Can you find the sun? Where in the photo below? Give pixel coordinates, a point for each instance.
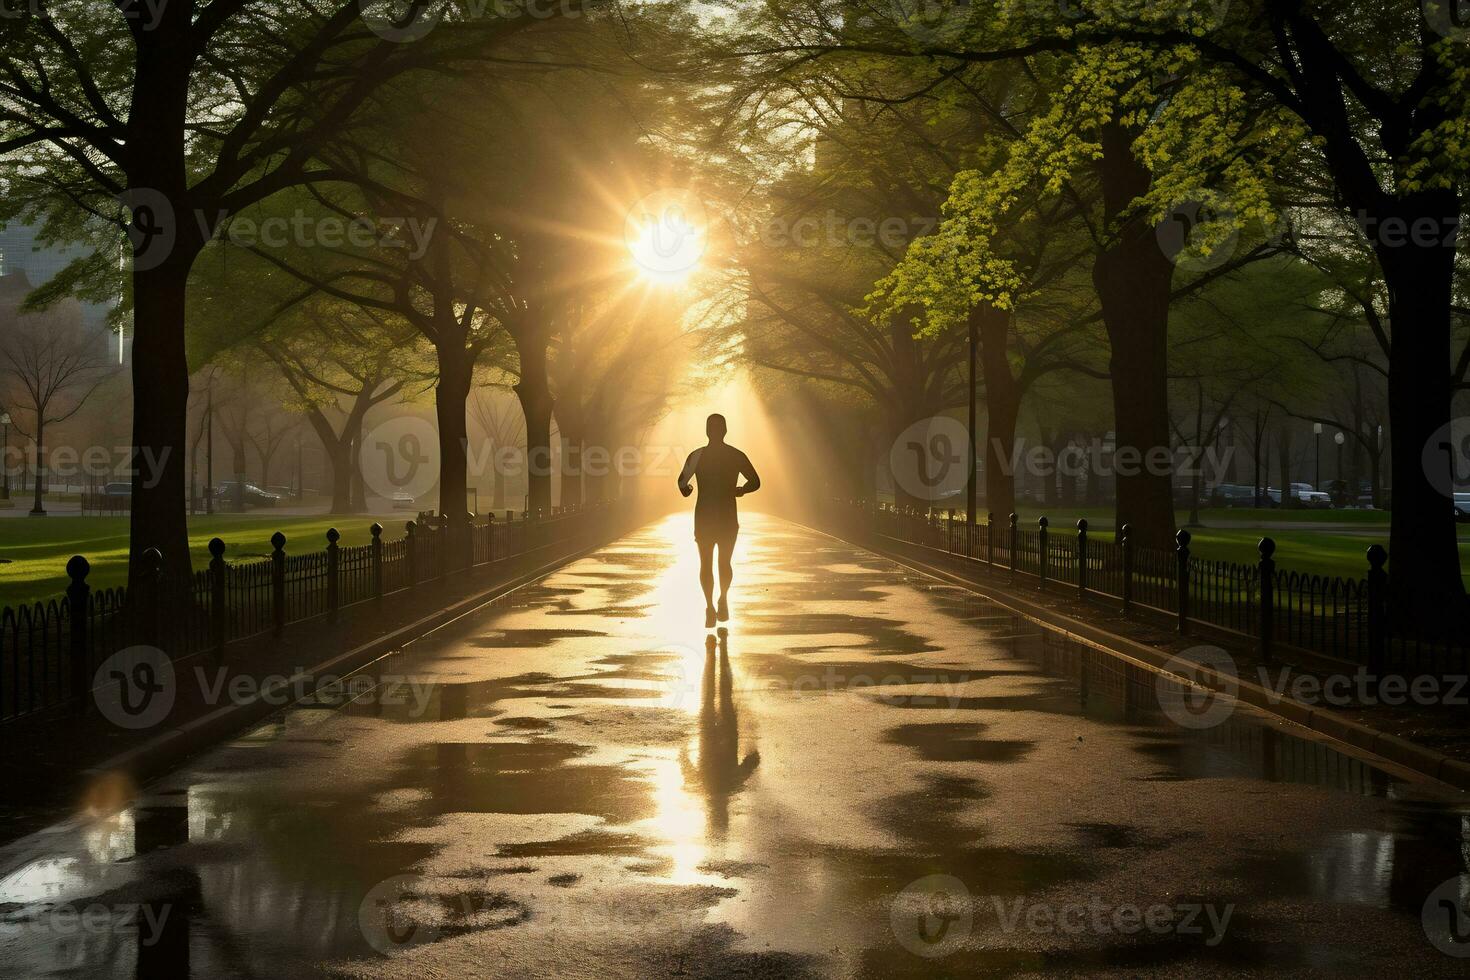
(666, 235)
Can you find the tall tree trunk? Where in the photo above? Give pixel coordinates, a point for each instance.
(1427, 587)
(534, 392)
(456, 375)
(571, 423)
(347, 492)
(972, 384)
(1002, 408)
(358, 486)
(166, 241)
(1283, 455)
(1134, 279)
(1052, 440)
(497, 497)
(39, 509)
(1196, 462)
(1094, 497)
(339, 456)
(160, 417)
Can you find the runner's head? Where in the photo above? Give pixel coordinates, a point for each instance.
(716, 428)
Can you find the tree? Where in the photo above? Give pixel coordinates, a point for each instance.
(828, 173)
(498, 415)
(342, 362)
(51, 365)
(166, 119)
(1380, 90)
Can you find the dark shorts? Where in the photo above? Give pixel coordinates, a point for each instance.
(716, 525)
(724, 537)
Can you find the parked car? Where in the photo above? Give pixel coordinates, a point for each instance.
(1303, 494)
(1236, 495)
(250, 494)
(1311, 498)
(118, 490)
(1462, 507)
(404, 501)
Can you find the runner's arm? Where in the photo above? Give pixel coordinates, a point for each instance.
(689, 467)
(752, 478)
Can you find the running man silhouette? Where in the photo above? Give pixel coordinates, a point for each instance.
(718, 467)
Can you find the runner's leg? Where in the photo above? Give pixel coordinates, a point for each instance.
(707, 572)
(727, 574)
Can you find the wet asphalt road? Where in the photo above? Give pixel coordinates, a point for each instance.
(870, 775)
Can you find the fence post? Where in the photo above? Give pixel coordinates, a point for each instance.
(410, 548)
(949, 531)
(1182, 580)
(79, 600)
(1041, 536)
(1377, 609)
(334, 575)
(990, 541)
(1126, 543)
(218, 613)
(490, 539)
(278, 583)
(1266, 569)
(377, 532)
(1082, 558)
(1015, 539)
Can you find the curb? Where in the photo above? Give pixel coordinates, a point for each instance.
(171, 748)
(1358, 738)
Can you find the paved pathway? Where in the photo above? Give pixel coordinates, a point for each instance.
(871, 775)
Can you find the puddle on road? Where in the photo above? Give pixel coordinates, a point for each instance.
(774, 806)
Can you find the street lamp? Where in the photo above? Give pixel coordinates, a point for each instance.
(1340, 439)
(1317, 439)
(5, 457)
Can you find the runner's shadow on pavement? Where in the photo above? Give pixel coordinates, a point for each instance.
(718, 770)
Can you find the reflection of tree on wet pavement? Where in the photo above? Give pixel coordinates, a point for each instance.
(719, 770)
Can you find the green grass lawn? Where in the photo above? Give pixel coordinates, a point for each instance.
(1312, 552)
(38, 548)
(1309, 552)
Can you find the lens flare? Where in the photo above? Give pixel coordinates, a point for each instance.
(667, 234)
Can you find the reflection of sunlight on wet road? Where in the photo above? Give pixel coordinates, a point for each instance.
(679, 824)
(591, 790)
(676, 609)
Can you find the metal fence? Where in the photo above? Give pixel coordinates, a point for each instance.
(48, 655)
(1344, 618)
